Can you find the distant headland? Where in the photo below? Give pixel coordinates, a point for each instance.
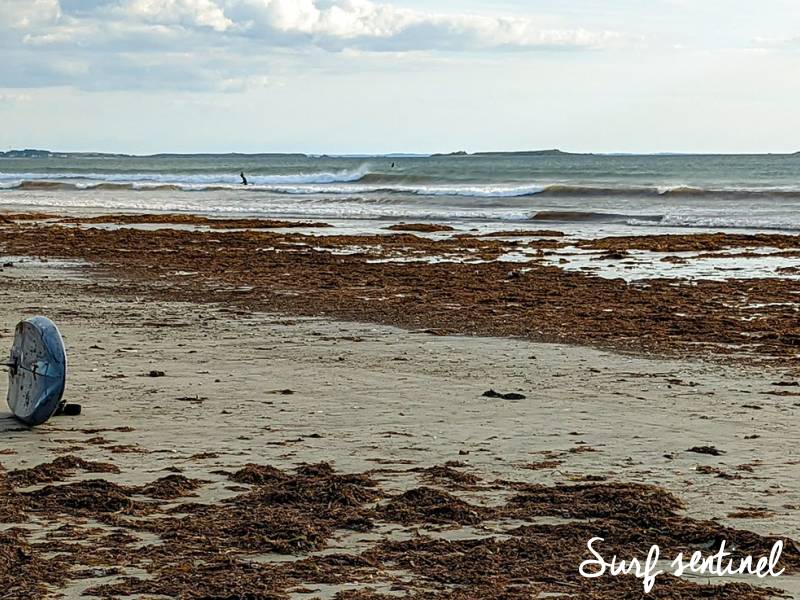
(27, 153)
(33, 153)
(553, 152)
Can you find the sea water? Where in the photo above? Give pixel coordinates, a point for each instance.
(582, 194)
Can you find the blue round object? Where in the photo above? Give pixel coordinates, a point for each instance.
(38, 371)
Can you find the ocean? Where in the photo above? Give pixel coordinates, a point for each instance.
(589, 194)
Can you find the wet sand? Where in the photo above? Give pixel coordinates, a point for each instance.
(241, 386)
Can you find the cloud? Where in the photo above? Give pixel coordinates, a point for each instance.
(776, 43)
(192, 13)
(25, 14)
(13, 98)
(372, 26)
(329, 24)
(189, 44)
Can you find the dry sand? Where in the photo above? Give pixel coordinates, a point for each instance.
(365, 397)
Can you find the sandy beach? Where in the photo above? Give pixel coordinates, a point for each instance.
(399, 300)
(316, 426)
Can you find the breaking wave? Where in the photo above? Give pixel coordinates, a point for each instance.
(364, 181)
(576, 216)
(81, 180)
(776, 222)
(685, 221)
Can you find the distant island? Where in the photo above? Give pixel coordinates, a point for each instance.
(34, 153)
(459, 153)
(27, 153)
(553, 152)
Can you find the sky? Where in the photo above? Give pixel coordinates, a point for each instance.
(364, 76)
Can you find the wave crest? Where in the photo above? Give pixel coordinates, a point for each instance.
(364, 180)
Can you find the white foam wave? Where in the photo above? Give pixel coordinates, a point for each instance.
(342, 183)
(189, 180)
(740, 221)
(275, 207)
(489, 191)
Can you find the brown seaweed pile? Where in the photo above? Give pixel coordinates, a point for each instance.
(24, 573)
(420, 227)
(701, 242)
(526, 233)
(189, 219)
(58, 470)
(449, 474)
(387, 279)
(428, 505)
(209, 550)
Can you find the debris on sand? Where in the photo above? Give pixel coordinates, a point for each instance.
(188, 219)
(204, 456)
(428, 505)
(258, 475)
(448, 475)
(96, 430)
(91, 498)
(71, 410)
(285, 392)
(592, 501)
(619, 255)
(542, 465)
(192, 399)
(169, 487)
(420, 227)
(708, 470)
(534, 563)
(710, 450)
(206, 550)
(127, 449)
(525, 233)
(324, 275)
(751, 513)
(11, 508)
(23, 572)
(509, 396)
(705, 242)
(58, 470)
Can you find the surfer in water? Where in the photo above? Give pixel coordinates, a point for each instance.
(244, 179)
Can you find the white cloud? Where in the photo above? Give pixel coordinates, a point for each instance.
(13, 98)
(25, 14)
(328, 24)
(196, 44)
(286, 15)
(373, 26)
(776, 43)
(199, 13)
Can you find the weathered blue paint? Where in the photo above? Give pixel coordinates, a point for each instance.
(38, 370)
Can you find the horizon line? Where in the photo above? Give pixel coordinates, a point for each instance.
(395, 154)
